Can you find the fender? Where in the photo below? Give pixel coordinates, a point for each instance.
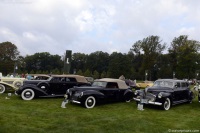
(97, 94)
(128, 94)
(38, 91)
(165, 94)
(8, 85)
(43, 83)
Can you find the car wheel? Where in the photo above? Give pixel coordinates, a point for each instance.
(166, 104)
(90, 102)
(28, 94)
(2, 88)
(17, 84)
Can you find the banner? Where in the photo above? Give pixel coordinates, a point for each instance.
(67, 61)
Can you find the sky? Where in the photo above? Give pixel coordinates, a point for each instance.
(87, 26)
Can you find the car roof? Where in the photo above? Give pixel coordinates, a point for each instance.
(172, 80)
(44, 75)
(79, 78)
(121, 83)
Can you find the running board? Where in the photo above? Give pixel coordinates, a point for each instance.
(181, 101)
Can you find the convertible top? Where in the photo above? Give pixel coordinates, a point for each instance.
(78, 77)
(121, 83)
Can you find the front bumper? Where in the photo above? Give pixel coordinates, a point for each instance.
(148, 102)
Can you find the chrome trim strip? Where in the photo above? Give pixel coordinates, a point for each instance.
(76, 101)
(149, 102)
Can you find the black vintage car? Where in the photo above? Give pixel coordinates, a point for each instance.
(165, 92)
(55, 86)
(102, 91)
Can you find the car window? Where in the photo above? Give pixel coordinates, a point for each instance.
(112, 85)
(178, 84)
(163, 83)
(183, 84)
(99, 83)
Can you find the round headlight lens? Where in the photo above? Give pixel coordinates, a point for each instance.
(136, 92)
(160, 95)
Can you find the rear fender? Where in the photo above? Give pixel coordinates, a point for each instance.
(128, 94)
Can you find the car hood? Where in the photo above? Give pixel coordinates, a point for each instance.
(158, 89)
(33, 81)
(83, 88)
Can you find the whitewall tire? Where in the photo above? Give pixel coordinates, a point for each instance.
(28, 94)
(2, 88)
(166, 104)
(90, 102)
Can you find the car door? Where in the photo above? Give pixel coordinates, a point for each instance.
(177, 92)
(111, 91)
(184, 91)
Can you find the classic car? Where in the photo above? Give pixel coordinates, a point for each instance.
(102, 91)
(144, 84)
(55, 86)
(165, 93)
(7, 83)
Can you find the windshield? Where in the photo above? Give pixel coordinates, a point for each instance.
(163, 83)
(99, 83)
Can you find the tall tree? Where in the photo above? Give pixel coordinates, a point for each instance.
(8, 56)
(151, 47)
(184, 56)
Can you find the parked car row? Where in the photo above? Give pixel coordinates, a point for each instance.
(76, 89)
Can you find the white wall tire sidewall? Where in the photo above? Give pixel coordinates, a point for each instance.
(25, 91)
(3, 89)
(90, 98)
(168, 106)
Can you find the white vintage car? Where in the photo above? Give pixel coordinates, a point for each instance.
(7, 83)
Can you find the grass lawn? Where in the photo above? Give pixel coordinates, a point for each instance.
(44, 115)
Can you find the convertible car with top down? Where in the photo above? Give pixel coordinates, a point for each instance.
(55, 86)
(102, 91)
(165, 93)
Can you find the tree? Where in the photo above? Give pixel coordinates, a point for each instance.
(43, 62)
(8, 57)
(184, 56)
(98, 61)
(119, 64)
(151, 48)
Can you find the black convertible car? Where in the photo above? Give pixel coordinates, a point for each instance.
(102, 90)
(55, 86)
(165, 92)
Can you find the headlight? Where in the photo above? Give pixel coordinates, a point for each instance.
(136, 92)
(160, 95)
(81, 94)
(65, 96)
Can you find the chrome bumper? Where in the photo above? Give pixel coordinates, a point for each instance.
(149, 102)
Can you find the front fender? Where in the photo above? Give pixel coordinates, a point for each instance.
(8, 85)
(165, 94)
(38, 91)
(100, 97)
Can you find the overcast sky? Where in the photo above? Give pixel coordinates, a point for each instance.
(88, 26)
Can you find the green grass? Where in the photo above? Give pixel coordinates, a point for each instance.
(44, 115)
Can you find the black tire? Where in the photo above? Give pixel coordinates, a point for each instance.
(2, 88)
(90, 102)
(166, 104)
(28, 94)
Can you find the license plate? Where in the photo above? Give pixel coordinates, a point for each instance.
(144, 101)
